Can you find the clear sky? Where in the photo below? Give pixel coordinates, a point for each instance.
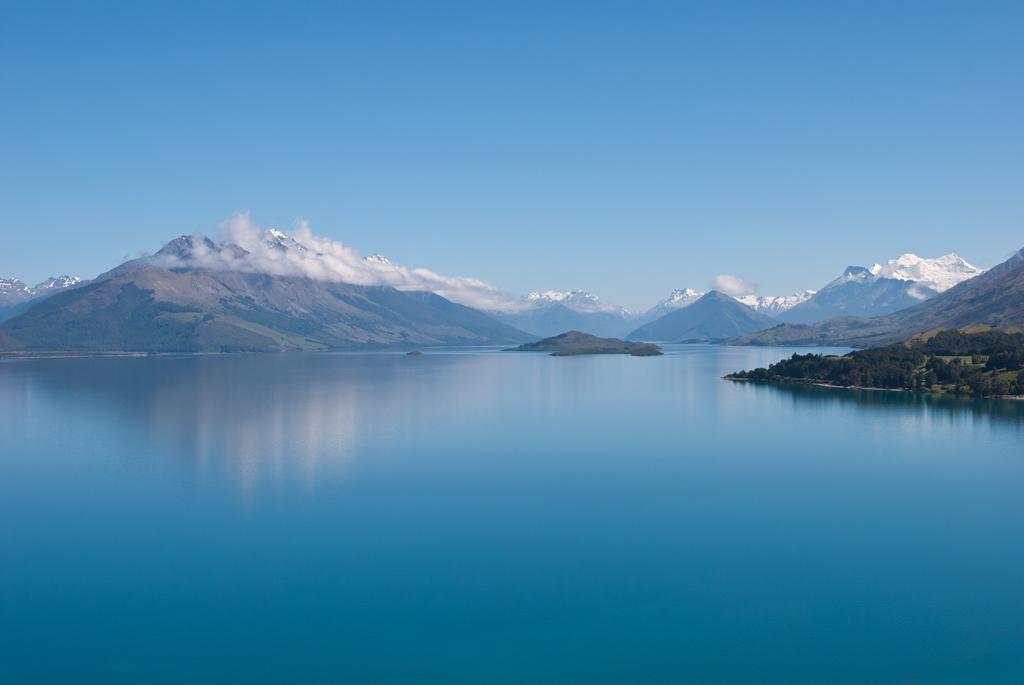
(621, 148)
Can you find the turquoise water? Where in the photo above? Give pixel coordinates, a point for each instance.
(501, 518)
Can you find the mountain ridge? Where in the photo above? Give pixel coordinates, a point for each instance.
(994, 297)
(881, 289)
(153, 309)
(714, 316)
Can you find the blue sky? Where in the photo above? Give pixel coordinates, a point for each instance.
(622, 148)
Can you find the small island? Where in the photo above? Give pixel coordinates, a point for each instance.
(981, 361)
(575, 343)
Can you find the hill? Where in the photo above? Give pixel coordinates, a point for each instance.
(575, 343)
(152, 309)
(981, 363)
(714, 316)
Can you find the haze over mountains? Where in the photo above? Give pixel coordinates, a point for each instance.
(256, 290)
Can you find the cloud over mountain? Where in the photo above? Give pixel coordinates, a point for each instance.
(244, 246)
(732, 285)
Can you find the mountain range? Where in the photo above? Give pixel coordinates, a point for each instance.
(880, 290)
(16, 297)
(994, 297)
(714, 316)
(861, 291)
(773, 306)
(140, 307)
(551, 313)
(268, 290)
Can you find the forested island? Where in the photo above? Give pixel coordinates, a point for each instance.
(575, 343)
(979, 361)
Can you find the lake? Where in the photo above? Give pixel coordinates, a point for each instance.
(474, 516)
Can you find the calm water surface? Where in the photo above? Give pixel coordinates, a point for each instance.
(501, 518)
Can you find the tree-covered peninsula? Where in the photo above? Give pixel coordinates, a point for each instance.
(979, 361)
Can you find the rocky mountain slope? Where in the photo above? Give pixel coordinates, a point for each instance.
(139, 307)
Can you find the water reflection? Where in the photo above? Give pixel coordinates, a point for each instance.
(911, 404)
(263, 415)
(665, 522)
(312, 418)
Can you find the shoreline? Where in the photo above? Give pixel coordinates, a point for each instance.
(862, 387)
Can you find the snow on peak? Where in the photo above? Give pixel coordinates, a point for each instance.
(552, 296)
(282, 241)
(58, 283)
(940, 273)
(13, 291)
(679, 298)
(577, 300)
(12, 285)
(245, 246)
(772, 305)
(379, 259)
(682, 297)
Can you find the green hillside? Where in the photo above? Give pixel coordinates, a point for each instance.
(981, 363)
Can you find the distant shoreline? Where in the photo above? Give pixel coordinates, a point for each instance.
(801, 381)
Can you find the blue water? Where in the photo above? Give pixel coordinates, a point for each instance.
(493, 517)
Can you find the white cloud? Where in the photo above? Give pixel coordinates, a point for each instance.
(300, 252)
(733, 285)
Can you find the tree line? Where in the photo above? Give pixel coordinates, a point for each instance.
(983, 364)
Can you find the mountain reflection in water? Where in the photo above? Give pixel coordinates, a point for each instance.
(495, 517)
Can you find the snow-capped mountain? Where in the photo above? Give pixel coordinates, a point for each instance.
(52, 285)
(550, 313)
(769, 305)
(715, 315)
(682, 298)
(13, 291)
(679, 298)
(940, 274)
(379, 259)
(245, 247)
(772, 305)
(282, 241)
(883, 288)
(578, 301)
